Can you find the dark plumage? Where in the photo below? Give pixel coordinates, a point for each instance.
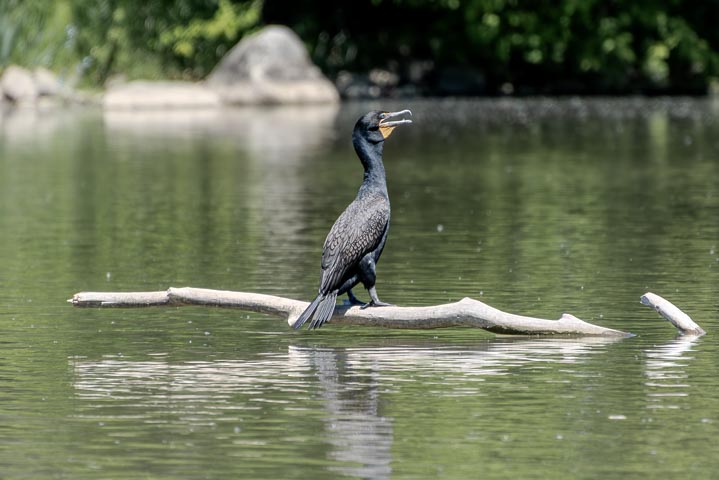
(357, 238)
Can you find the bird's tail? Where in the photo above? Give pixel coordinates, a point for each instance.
(325, 310)
(322, 307)
(308, 312)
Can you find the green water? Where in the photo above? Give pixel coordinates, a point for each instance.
(533, 206)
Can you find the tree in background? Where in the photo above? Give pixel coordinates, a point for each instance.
(33, 34)
(140, 39)
(441, 46)
(159, 38)
(581, 46)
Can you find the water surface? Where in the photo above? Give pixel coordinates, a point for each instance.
(534, 206)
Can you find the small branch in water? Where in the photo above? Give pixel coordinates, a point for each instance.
(671, 312)
(466, 312)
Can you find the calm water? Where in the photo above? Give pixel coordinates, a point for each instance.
(536, 207)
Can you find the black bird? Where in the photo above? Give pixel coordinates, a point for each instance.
(356, 240)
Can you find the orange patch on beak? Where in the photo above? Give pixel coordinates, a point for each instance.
(385, 131)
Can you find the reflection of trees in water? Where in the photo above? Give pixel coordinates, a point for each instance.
(667, 378)
(267, 148)
(504, 190)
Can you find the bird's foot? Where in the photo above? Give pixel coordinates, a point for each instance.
(376, 304)
(352, 300)
(375, 301)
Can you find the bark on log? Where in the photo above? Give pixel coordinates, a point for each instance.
(671, 312)
(466, 312)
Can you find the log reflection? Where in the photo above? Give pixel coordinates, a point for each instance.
(666, 373)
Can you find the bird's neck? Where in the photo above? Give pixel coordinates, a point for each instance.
(371, 156)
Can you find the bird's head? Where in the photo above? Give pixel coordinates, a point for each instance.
(376, 126)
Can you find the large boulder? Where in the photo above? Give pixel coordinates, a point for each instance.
(159, 95)
(46, 82)
(271, 66)
(18, 85)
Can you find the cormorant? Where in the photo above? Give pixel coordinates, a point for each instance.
(356, 240)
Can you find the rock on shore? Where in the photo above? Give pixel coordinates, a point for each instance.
(152, 95)
(18, 85)
(271, 66)
(37, 88)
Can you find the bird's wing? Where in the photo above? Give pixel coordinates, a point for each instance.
(358, 231)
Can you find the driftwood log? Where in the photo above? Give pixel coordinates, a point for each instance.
(671, 312)
(466, 312)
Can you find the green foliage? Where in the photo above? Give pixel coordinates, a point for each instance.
(32, 34)
(160, 38)
(540, 46)
(545, 46)
(224, 25)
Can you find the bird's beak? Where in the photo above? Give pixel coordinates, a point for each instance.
(386, 125)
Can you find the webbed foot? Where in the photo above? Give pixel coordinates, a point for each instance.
(375, 302)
